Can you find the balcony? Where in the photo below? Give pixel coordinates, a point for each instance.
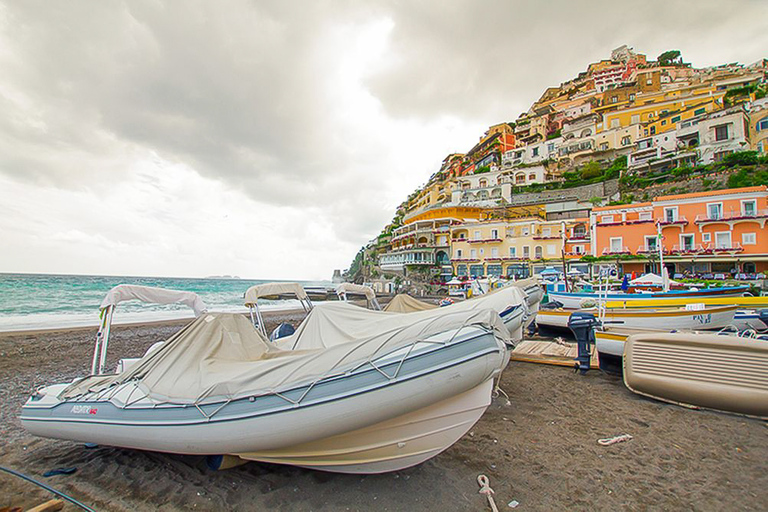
(638, 221)
(611, 251)
(465, 260)
(732, 218)
(578, 239)
(484, 240)
(539, 236)
(679, 221)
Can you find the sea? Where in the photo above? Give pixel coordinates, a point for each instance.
(46, 301)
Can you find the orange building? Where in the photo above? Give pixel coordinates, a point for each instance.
(712, 232)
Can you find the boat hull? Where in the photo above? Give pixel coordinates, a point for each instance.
(391, 445)
(726, 373)
(711, 318)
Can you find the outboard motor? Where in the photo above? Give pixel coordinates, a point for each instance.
(281, 331)
(763, 316)
(582, 325)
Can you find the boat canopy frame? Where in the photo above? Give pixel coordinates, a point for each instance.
(345, 289)
(278, 290)
(126, 292)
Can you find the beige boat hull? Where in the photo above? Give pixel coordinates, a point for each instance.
(395, 444)
(726, 373)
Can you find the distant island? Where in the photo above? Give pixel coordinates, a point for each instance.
(223, 277)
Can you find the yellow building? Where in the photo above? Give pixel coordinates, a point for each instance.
(650, 110)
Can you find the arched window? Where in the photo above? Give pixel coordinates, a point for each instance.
(483, 183)
(586, 133)
(520, 178)
(531, 176)
(537, 252)
(763, 124)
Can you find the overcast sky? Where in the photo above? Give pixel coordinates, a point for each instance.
(273, 139)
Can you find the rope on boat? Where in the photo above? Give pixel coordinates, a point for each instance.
(485, 488)
(47, 488)
(613, 440)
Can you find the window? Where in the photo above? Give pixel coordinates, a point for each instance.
(632, 98)
(458, 253)
(749, 208)
(615, 123)
(614, 99)
(686, 242)
(670, 214)
(546, 231)
(635, 119)
(626, 140)
(606, 219)
(550, 147)
(603, 146)
(494, 253)
(525, 231)
(526, 252)
(749, 238)
(650, 243)
(578, 249)
(473, 253)
(763, 124)
(531, 177)
(538, 253)
(551, 250)
(617, 244)
(663, 122)
(513, 252)
(483, 183)
(535, 151)
(723, 240)
(653, 130)
(719, 155)
(721, 132)
(646, 215)
(699, 111)
(715, 211)
(477, 235)
(675, 119)
(494, 233)
(649, 81)
(706, 237)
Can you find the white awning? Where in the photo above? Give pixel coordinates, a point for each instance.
(124, 292)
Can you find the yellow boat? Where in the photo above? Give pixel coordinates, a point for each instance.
(743, 302)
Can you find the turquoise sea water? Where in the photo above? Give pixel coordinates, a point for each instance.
(41, 301)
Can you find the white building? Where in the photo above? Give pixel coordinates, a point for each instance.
(715, 135)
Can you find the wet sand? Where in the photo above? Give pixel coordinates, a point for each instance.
(541, 450)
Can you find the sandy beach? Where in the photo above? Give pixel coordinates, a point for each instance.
(540, 450)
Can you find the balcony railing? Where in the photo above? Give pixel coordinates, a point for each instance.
(679, 221)
(610, 251)
(731, 216)
(483, 240)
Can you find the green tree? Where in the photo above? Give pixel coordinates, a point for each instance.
(670, 57)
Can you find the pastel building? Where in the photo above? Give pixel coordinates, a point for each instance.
(706, 232)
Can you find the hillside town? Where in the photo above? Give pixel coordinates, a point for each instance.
(632, 161)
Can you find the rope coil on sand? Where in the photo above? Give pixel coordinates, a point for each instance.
(485, 488)
(613, 440)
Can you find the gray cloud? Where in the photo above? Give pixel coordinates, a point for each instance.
(336, 108)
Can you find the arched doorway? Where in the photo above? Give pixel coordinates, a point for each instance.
(442, 258)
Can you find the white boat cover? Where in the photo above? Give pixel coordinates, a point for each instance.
(333, 323)
(124, 292)
(221, 356)
(404, 303)
(356, 288)
(650, 280)
(271, 289)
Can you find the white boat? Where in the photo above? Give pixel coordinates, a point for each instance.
(715, 317)
(575, 300)
(380, 395)
(345, 291)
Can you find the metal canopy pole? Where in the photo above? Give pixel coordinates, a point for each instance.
(105, 341)
(97, 347)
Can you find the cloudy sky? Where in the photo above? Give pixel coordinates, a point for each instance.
(273, 139)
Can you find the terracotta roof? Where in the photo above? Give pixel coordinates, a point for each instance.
(759, 188)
